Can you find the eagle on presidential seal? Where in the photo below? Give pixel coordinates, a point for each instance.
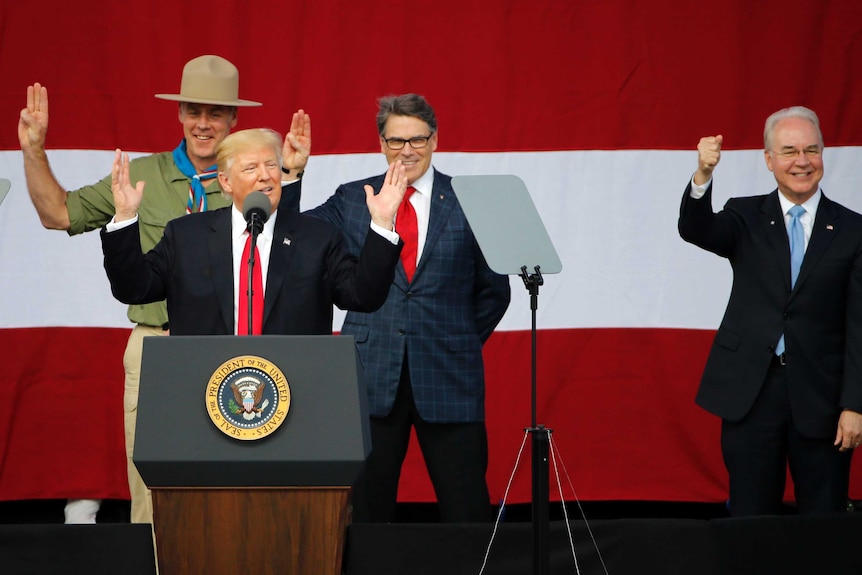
(248, 392)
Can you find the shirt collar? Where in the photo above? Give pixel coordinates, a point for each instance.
(810, 206)
(425, 184)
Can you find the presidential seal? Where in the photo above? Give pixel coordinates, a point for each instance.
(248, 397)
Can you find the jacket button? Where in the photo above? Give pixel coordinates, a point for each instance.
(400, 332)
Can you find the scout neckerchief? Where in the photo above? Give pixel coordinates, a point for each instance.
(197, 194)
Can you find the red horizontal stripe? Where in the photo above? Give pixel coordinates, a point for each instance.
(619, 402)
(503, 75)
(61, 418)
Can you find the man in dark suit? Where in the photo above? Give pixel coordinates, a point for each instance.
(305, 266)
(785, 369)
(422, 351)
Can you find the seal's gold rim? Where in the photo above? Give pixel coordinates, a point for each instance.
(223, 372)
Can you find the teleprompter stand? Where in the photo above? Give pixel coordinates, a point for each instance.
(514, 241)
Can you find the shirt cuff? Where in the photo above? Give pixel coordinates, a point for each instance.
(697, 191)
(390, 235)
(113, 226)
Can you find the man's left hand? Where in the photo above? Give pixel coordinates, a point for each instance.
(297, 144)
(849, 435)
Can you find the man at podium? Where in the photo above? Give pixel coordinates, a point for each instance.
(302, 261)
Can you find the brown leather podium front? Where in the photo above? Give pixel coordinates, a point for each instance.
(277, 504)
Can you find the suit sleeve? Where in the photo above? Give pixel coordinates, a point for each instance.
(491, 296)
(699, 225)
(291, 194)
(362, 284)
(134, 277)
(851, 388)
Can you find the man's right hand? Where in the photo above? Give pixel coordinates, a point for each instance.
(33, 121)
(127, 198)
(708, 155)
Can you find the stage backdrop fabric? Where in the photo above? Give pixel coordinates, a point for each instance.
(598, 107)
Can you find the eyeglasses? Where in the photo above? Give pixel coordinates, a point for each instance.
(416, 143)
(788, 153)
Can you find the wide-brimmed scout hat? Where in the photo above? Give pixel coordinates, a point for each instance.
(209, 80)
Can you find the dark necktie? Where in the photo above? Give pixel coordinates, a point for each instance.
(405, 225)
(257, 289)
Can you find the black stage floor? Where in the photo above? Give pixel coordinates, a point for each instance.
(619, 538)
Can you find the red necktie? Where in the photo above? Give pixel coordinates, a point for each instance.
(405, 225)
(257, 289)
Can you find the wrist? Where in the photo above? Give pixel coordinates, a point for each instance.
(123, 216)
(297, 174)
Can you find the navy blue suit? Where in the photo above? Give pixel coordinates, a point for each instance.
(430, 331)
(192, 267)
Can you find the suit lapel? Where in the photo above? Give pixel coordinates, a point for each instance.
(776, 231)
(826, 227)
(279, 260)
(442, 203)
(220, 253)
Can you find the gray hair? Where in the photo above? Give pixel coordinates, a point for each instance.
(792, 112)
(412, 105)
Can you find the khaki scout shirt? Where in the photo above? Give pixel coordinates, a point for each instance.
(166, 195)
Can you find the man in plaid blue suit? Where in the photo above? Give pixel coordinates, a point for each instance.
(422, 351)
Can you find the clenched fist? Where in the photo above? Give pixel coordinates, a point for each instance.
(708, 155)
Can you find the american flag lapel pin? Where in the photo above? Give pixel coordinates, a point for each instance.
(829, 227)
(286, 241)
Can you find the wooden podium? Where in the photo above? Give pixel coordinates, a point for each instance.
(277, 505)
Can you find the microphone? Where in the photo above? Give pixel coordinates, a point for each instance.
(256, 209)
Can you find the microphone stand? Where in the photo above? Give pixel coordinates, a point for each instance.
(255, 226)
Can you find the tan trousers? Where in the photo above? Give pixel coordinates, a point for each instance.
(142, 501)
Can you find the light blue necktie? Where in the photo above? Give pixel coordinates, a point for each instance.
(797, 252)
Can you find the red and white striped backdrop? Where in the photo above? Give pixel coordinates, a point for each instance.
(596, 106)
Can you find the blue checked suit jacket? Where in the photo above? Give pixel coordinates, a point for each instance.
(440, 320)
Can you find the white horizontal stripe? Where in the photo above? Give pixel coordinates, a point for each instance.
(611, 215)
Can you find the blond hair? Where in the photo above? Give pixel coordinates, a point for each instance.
(241, 141)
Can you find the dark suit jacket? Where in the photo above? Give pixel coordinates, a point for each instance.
(442, 318)
(821, 317)
(191, 267)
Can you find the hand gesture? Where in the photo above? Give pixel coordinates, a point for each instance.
(297, 143)
(127, 199)
(33, 120)
(383, 206)
(708, 155)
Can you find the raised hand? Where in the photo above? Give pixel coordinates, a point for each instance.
(33, 120)
(297, 143)
(127, 198)
(384, 206)
(708, 155)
